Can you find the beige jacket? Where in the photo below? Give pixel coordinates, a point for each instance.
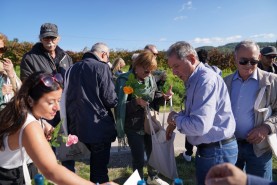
(268, 80)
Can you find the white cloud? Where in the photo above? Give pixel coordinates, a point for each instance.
(179, 18)
(263, 36)
(216, 40)
(162, 39)
(187, 5)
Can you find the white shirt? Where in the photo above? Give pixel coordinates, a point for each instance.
(10, 159)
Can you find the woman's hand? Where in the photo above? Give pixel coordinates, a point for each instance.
(48, 130)
(168, 94)
(7, 89)
(142, 102)
(8, 67)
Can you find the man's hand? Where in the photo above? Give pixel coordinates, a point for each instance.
(258, 134)
(227, 174)
(169, 130)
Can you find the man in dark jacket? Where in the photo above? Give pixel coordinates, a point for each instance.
(268, 59)
(47, 56)
(89, 99)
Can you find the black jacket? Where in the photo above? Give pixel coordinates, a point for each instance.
(272, 69)
(89, 99)
(38, 59)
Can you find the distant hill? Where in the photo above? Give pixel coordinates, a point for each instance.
(231, 46)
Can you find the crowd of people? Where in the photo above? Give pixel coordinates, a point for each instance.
(222, 117)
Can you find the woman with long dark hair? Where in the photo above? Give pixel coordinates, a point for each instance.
(20, 120)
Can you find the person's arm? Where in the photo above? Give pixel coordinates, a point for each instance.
(255, 180)
(202, 110)
(107, 88)
(42, 155)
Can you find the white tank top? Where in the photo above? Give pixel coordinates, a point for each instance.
(10, 159)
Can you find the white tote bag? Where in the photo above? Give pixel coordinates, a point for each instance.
(162, 157)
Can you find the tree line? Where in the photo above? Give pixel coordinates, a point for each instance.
(221, 57)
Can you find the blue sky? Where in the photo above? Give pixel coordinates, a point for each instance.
(130, 24)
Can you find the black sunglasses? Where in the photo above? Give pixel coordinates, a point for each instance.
(3, 49)
(49, 38)
(245, 61)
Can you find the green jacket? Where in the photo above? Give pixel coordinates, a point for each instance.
(120, 110)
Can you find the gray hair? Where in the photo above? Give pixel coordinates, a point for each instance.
(181, 49)
(100, 47)
(134, 56)
(246, 44)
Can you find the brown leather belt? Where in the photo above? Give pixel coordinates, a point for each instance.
(215, 144)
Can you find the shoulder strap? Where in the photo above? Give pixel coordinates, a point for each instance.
(63, 102)
(26, 173)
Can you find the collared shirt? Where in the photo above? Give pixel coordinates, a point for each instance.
(243, 105)
(208, 115)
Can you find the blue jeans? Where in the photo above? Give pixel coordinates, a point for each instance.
(99, 160)
(259, 166)
(138, 143)
(210, 156)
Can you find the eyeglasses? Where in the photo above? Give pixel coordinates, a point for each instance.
(3, 49)
(270, 57)
(49, 38)
(246, 61)
(48, 80)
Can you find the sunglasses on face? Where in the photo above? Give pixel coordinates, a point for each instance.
(245, 61)
(270, 57)
(3, 49)
(49, 38)
(48, 80)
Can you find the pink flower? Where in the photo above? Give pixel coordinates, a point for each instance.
(71, 139)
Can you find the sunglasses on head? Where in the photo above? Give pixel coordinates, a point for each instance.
(48, 80)
(3, 49)
(270, 56)
(246, 61)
